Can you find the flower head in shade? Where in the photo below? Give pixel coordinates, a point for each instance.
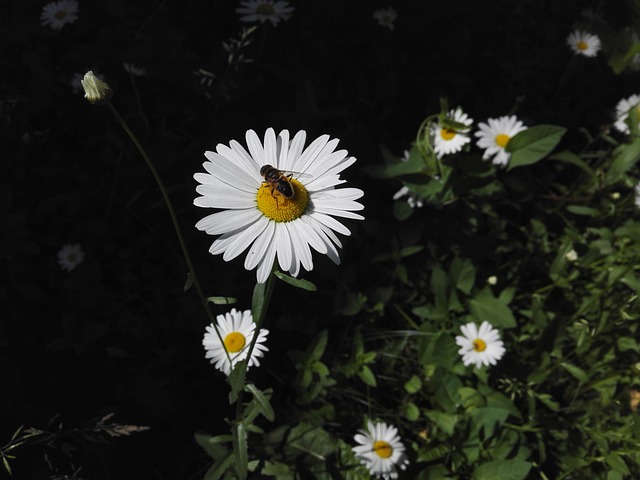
(583, 43)
(270, 211)
(494, 135)
(480, 346)
(263, 10)
(236, 330)
(58, 14)
(95, 90)
(380, 450)
(386, 17)
(448, 140)
(70, 256)
(623, 108)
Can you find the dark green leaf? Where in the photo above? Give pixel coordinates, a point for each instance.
(503, 470)
(222, 300)
(219, 468)
(484, 306)
(567, 156)
(296, 282)
(625, 156)
(213, 445)
(411, 411)
(236, 380)
(533, 144)
(263, 402)
(240, 453)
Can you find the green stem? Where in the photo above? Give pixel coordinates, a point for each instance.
(174, 218)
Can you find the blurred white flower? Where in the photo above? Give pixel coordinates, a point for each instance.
(480, 347)
(380, 450)
(622, 112)
(494, 136)
(583, 43)
(386, 17)
(70, 256)
(571, 255)
(236, 330)
(263, 10)
(448, 140)
(492, 280)
(58, 14)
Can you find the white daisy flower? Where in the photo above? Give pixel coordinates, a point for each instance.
(622, 112)
(482, 347)
(236, 330)
(380, 450)
(494, 136)
(134, 70)
(263, 10)
(386, 17)
(583, 43)
(70, 256)
(281, 217)
(448, 140)
(58, 14)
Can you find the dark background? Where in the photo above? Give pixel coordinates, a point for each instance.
(118, 335)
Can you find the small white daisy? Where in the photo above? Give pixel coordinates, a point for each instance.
(70, 256)
(134, 70)
(448, 140)
(386, 17)
(58, 14)
(494, 135)
(482, 347)
(380, 450)
(263, 10)
(237, 330)
(622, 112)
(583, 43)
(282, 217)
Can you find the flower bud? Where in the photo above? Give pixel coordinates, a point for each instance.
(95, 90)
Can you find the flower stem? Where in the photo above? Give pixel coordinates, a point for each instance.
(172, 213)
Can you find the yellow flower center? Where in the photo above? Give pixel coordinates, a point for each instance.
(447, 133)
(502, 139)
(382, 449)
(279, 208)
(479, 345)
(60, 14)
(582, 45)
(265, 9)
(234, 342)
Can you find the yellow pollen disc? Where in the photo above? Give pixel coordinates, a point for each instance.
(234, 342)
(582, 45)
(502, 139)
(279, 208)
(479, 345)
(60, 14)
(382, 449)
(447, 133)
(265, 9)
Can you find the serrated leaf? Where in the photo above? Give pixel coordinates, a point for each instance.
(297, 282)
(263, 402)
(236, 380)
(533, 144)
(240, 453)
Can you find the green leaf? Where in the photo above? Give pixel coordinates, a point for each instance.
(582, 210)
(462, 274)
(188, 282)
(219, 468)
(533, 144)
(625, 156)
(257, 299)
(240, 453)
(222, 300)
(444, 421)
(263, 402)
(411, 411)
(502, 469)
(567, 156)
(236, 380)
(316, 349)
(402, 210)
(367, 376)
(484, 306)
(616, 462)
(413, 385)
(297, 282)
(213, 445)
(576, 372)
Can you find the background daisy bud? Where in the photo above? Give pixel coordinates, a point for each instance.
(95, 90)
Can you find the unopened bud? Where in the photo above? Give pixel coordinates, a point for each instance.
(95, 90)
